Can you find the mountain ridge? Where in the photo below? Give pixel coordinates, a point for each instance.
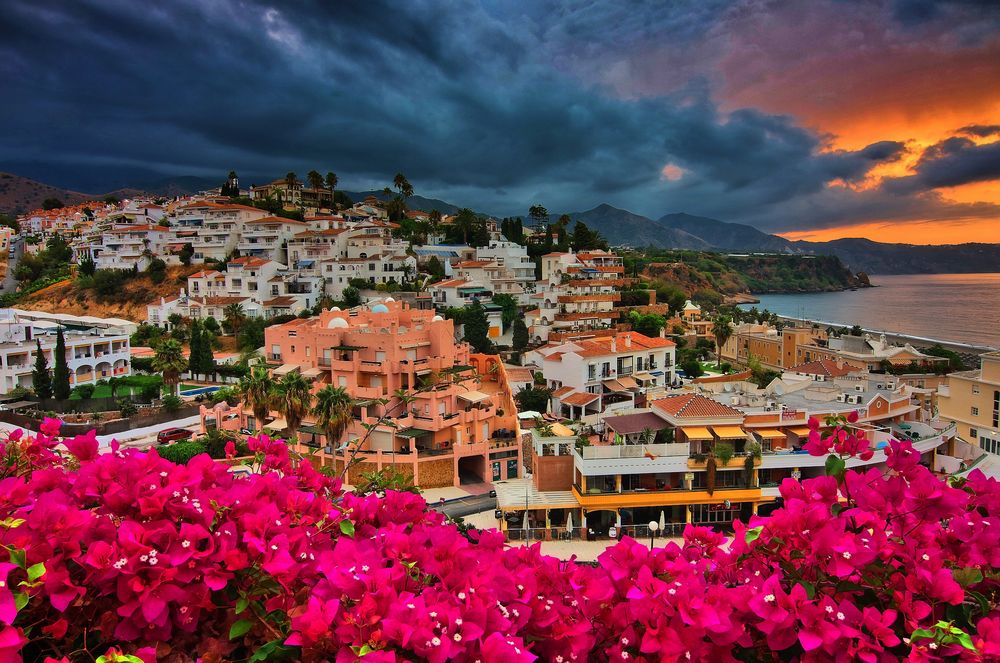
(678, 230)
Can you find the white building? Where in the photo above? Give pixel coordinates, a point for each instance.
(589, 375)
(91, 354)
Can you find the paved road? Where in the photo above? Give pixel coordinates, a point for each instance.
(137, 438)
(466, 506)
(9, 282)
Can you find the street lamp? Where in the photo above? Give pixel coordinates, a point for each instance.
(653, 526)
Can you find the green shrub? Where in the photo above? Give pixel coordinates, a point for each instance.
(181, 452)
(127, 408)
(85, 391)
(171, 403)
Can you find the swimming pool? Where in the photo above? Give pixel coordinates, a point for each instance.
(199, 391)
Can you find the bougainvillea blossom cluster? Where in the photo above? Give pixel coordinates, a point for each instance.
(126, 556)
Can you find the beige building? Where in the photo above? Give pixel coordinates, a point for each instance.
(972, 400)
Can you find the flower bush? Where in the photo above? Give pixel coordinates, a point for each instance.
(125, 556)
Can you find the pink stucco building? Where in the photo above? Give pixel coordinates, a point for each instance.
(459, 427)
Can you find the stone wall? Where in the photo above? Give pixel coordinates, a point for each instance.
(436, 473)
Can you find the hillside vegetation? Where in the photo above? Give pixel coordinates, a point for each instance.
(129, 302)
(715, 277)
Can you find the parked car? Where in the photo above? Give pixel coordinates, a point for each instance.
(169, 435)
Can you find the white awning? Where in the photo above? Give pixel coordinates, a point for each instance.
(312, 373)
(474, 396)
(285, 369)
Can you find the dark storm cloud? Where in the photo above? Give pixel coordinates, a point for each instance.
(951, 162)
(981, 130)
(469, 101)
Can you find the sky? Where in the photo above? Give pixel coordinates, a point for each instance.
(814, 120)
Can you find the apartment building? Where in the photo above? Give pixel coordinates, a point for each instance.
(865, 352)
(92, 354)
(591, 375)
(577, 293)
(459, 422)
(774, 349)
(652, 464)
(213, 229)
(515, 270)
(971, 399)
(294, 195)
(267, 237)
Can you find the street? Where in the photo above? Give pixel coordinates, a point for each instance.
(9, 282)
(466, 506)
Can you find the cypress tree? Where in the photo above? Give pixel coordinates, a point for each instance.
(477, 328)
(60, 369)
(194, 349)
(520, 334)
(41, 379)
(206, 362)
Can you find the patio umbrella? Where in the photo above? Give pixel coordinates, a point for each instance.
(569, 523)
(663, 521)
(618, 520)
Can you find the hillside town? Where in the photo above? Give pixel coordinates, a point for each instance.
(517, 363)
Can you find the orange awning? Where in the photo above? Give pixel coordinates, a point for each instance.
(628, 383)
(727, 432)
(770, 433)
(799, 430)
(697, 432)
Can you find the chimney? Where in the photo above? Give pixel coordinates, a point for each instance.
(628, 340)
(614, 344)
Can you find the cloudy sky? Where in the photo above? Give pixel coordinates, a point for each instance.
(813, 119)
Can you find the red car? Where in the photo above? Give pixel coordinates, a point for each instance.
(169, 435)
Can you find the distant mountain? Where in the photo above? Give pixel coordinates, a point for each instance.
(413, 202)
(878, 258)
(686, 231)
(621, 227)
(20, 194)
(727, 236)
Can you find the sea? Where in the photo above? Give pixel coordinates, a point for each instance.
(962, 308)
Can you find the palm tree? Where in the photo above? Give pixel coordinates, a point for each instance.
(722, 330)
(315, 180)
(293, 400)
(291, 180)
(234, 316)
(402, 185)
(331, 184)
(333, 412)
(256, 391)
(170, 362)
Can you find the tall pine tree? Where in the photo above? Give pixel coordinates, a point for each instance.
(194, 349)
(60, 369)
(41, 379)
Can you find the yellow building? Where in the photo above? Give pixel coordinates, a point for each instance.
(972, 400)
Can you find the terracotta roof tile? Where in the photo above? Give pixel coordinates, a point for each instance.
(695, 406)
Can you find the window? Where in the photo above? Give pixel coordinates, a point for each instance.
(975, 388)
(993, 446)
(973, 433)
(975, 411)
(592, 372)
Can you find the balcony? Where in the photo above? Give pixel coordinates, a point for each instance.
(667, 497)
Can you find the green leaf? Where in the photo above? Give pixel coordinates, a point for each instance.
(239, 628)
(241, 604)
(365, 649)
(835, 466)
(809, 587)
(965, 640)
(264, 651)
(20, 600)
(754, 533)
(12, 523)
(346, 527)
(921, 633)
(36, 571)
(967, 576)
(18, 556)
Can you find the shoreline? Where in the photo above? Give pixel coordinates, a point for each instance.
(958, 346)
